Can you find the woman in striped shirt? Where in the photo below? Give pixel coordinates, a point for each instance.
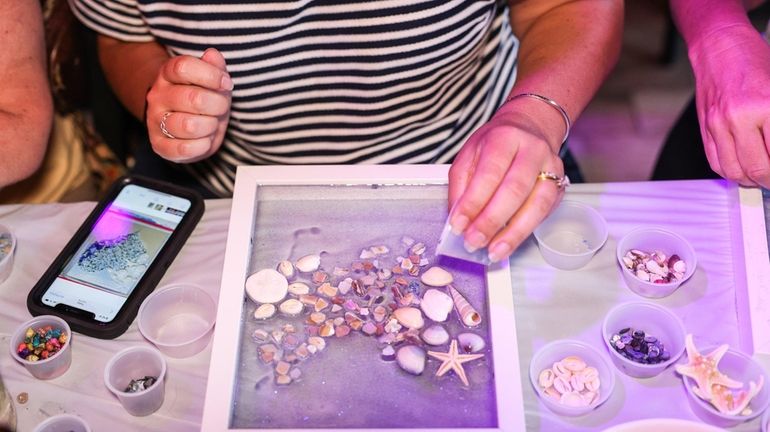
(239, 82)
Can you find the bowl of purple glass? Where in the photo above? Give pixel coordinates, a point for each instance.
(643, 338)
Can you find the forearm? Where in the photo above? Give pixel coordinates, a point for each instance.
(567, 50)
(130, 82)
(702, 20)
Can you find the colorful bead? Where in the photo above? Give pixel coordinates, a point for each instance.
(41, 343)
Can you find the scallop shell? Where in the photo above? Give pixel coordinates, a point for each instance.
(267, 286)
(264, 311)
(291, 307)
(436, 305)
(470, 342)
(437, 277)
(435, 335)
(308, 263)
(409, 317)
(468, 314)
(411, 358)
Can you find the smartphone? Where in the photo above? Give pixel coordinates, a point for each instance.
(118, 256)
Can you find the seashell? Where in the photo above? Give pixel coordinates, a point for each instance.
(319, 277)
(545, 379)
(278, 336)
(470, 342)
(264, 311)
(653, 267)
(260, 336)
(283, 380)
(407, 241)
(282, 368)
(299, 288)
(341, 331)
(468, 314)
(589, 373)
(409, 317)
(436, 305)
(369, 279)
(639, 254)
(562, 385)
(320, 305)
(388, 353)
(406, 264)
(593, 385)
(326, 330)
(590, 397)
(677, 264)
(340, 271)
(302, 352)
(316, 342)
(345, 285)
(317, 317)
(574, 363)
(308, 263)
(436, 277)
(336, 308)
(268, 353)
(643, 275)
(366, 254)
(435, 335)
(659, 257)
(379, 250)
(561, 371)
(572, 399)
(291, 307)
(417, 249)
(628, 262)
(267, 286)
(553, 394)
(338, 321)
(295, 373)
(327, 290)
(576, 381)
(308, 299)
(379, 313)
(369, 328)
(384, 274)
(286, 268)
(392, 326)
(411, 358)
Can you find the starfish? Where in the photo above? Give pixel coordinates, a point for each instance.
(727, 402)
(453, 360)
(704, 370)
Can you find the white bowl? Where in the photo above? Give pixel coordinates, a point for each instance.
(6, 261)
(178, 319)
(133, 363)
(663, 425)
(740, 367)
(652, 319)
(570, 236)
(63, 423)
(766, 420)
(53, 366)
(649, 239)
(555, 351)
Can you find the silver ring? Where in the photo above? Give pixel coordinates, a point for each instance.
(561, 182)
(163, 126)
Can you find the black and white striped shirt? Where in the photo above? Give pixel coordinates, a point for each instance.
(334, 82)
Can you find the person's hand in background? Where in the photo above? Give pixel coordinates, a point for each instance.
(190, 98)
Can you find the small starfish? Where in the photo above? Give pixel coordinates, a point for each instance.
(453, 360)
(704, 369)
(727, 402)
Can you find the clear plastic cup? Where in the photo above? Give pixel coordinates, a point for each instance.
(654, 320)
(63, 423)
(556, 351)
(740, 367)
(135, 363)
(766, 421)
(571, 235)
(6, 256)
(54, 365)
(178, 319)
(649, 239)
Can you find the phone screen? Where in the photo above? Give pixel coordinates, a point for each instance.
(122, 244)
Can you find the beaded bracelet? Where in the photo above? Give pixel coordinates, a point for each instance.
(552, 103)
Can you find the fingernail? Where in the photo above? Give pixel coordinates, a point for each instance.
(499, 251)
(188, 150)
(458, 224)
(227, 83)
(474, 241)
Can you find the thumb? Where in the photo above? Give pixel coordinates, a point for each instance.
(213, 57)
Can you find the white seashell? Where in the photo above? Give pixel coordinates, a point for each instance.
(576, 381)
(590, 397)
(264, 311)
(411, 358)
(317, 342)
(561, 371)
(677, 264)
(308, 263)
(589, 373)
(345, 285)
(291, 307)
(366, 254)
(379, 250)
(437, 277)
(553, 394)
(267, 286)
(435, 335)
(655, 268)
(299, 288)
(574, 363)
(593, 385)
(286, 268)
(562, 385)
(470, 342)
(436, 305)
(643, 275)
(628, 262)
(469, 316)
(572, 399)
(659, 257)
(546, 378)
(409, 317)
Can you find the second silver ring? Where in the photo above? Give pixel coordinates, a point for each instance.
(163, 127)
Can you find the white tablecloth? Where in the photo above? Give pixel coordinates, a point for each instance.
(550, 305)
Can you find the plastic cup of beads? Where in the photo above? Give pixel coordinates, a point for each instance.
(178, 319)
(42, 345)
(63, 423)
(7, 251)
(136, 376)
(570, 236)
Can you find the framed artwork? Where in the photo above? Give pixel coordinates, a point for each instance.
(335, 313)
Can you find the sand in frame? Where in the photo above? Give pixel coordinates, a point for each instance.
(348, 386)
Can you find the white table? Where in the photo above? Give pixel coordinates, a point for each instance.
(550, 305)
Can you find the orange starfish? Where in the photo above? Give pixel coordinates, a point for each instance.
(453, 360)
(704, 369)
(727, 402)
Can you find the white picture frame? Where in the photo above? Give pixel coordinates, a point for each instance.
(223, 368)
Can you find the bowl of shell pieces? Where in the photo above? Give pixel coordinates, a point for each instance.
(7, 250)
(643, 338)
(571, 377)
(655, 261)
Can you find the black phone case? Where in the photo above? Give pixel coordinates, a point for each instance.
(145, 286)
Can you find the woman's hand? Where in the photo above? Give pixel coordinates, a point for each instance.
(732, 71)
(494, 191)
(191, 100)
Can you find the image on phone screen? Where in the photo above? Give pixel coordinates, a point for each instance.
(122, 244)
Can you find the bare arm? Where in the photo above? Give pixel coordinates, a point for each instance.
(731, 63)
(26, 109)
(567, 49)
